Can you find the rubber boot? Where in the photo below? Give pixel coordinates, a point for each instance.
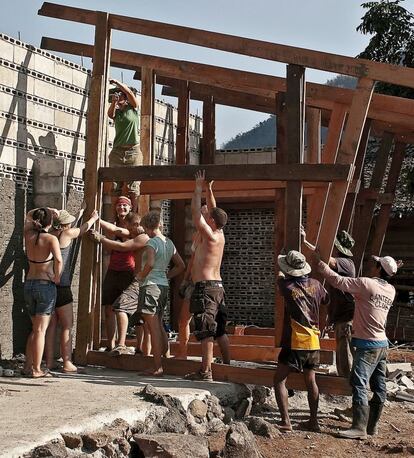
(359, 423)
(375, 411)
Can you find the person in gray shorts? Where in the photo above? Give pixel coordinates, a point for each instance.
(153, 295)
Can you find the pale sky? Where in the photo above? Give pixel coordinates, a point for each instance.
(325, 25)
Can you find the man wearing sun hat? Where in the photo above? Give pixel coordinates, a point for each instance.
(342, 304)
(373, 299)
(300, 337)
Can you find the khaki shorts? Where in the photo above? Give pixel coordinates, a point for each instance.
(153, 299)
(127, 302)
(121, 156)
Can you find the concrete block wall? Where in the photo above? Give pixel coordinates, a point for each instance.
(43, 106)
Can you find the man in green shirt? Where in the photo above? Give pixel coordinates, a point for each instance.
(126, 150)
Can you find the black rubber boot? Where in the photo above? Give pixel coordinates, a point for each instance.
(359, 423)
(375, 410)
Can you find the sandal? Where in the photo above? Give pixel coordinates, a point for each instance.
(45, 374)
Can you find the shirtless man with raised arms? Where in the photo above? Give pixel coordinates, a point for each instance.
(207, 301)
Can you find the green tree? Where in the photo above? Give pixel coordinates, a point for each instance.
(392, 29)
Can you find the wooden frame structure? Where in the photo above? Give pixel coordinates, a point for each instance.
(328, 179)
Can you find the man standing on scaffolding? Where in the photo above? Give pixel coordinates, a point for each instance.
(126, 149)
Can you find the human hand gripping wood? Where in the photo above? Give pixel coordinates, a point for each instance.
(200, 178)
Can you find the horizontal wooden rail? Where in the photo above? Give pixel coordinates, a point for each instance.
(234, 172)
(344, 65)
(221, 372)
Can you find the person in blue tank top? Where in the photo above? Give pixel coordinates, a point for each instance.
(154, 289)
(63, 315)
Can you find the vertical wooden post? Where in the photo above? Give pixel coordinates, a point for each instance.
(378, 235)
(363, 224)
(147, 126)
(208, 145)
(178, 206)
(279, 216)
(295, 101)
(313, 135)
(349, 207)
(95, 128)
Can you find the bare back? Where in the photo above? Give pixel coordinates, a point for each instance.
(207, 257)
(39, 250)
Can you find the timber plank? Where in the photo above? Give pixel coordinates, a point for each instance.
(383, 108)
(233, 172)
(221, 372)
(95, 125)
(255, 48)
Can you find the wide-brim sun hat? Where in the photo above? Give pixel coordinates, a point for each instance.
(65, 218)
(293, 264)
(344, 242)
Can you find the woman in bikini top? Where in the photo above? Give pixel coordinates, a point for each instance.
(42, 248)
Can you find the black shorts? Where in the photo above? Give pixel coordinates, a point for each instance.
(115, 283)
(209, 310)
(63, 296)
(299, 359)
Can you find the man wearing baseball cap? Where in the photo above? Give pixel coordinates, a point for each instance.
(300, 337)
(373, 299)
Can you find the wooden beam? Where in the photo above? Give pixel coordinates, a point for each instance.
(181, 144)
(384, 108)
(295, 105)
(362, 225)
(208, 141)
(234, 172)
(221, 372)
(95, 126)
(313, 135)
(348, 211)
(347, 153)
(334, 63)
(382, 220)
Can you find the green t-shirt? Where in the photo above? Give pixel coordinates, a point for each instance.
(164, 251)
(126, 127)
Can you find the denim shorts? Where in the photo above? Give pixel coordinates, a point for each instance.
(39, 297)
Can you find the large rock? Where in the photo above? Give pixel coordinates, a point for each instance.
(261, 427)
(198, 409)
(240, 442)
(72, 440)
(214, 409)
(93, 441)
(167, 445)
(54, 449)
(244, 408)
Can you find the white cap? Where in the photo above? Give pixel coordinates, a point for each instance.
(388, 263)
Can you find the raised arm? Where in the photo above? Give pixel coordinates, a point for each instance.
(113, 230)
(113, 106)
(76, 232)
(211, 200)
(332, 261)
(132, 100)
(129, 245)
(346, 284)
(198, 219)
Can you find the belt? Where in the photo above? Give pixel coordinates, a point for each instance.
(217, 283)
(40, 282)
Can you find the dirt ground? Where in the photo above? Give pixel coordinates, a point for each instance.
(398, 355)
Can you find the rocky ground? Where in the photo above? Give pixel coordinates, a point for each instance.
(137, 417)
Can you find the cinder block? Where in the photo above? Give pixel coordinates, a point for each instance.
(6, 50)
(63, 72)
(65, 143)
(23, 56)
(8, 155)
(80, 79)
(79, 124)
(44, 89)
(8, 77)
(48, 184)
(78, 101)
(44, 65)
(63, 96)
(8, 128)
(49, 200)
(259, 158)
(235, 158)
(7, 102)
(48, 167)
(40, 113)
(63, 119)
(219, 159)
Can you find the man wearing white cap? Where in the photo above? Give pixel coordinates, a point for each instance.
(373, 299)
(300, 337)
